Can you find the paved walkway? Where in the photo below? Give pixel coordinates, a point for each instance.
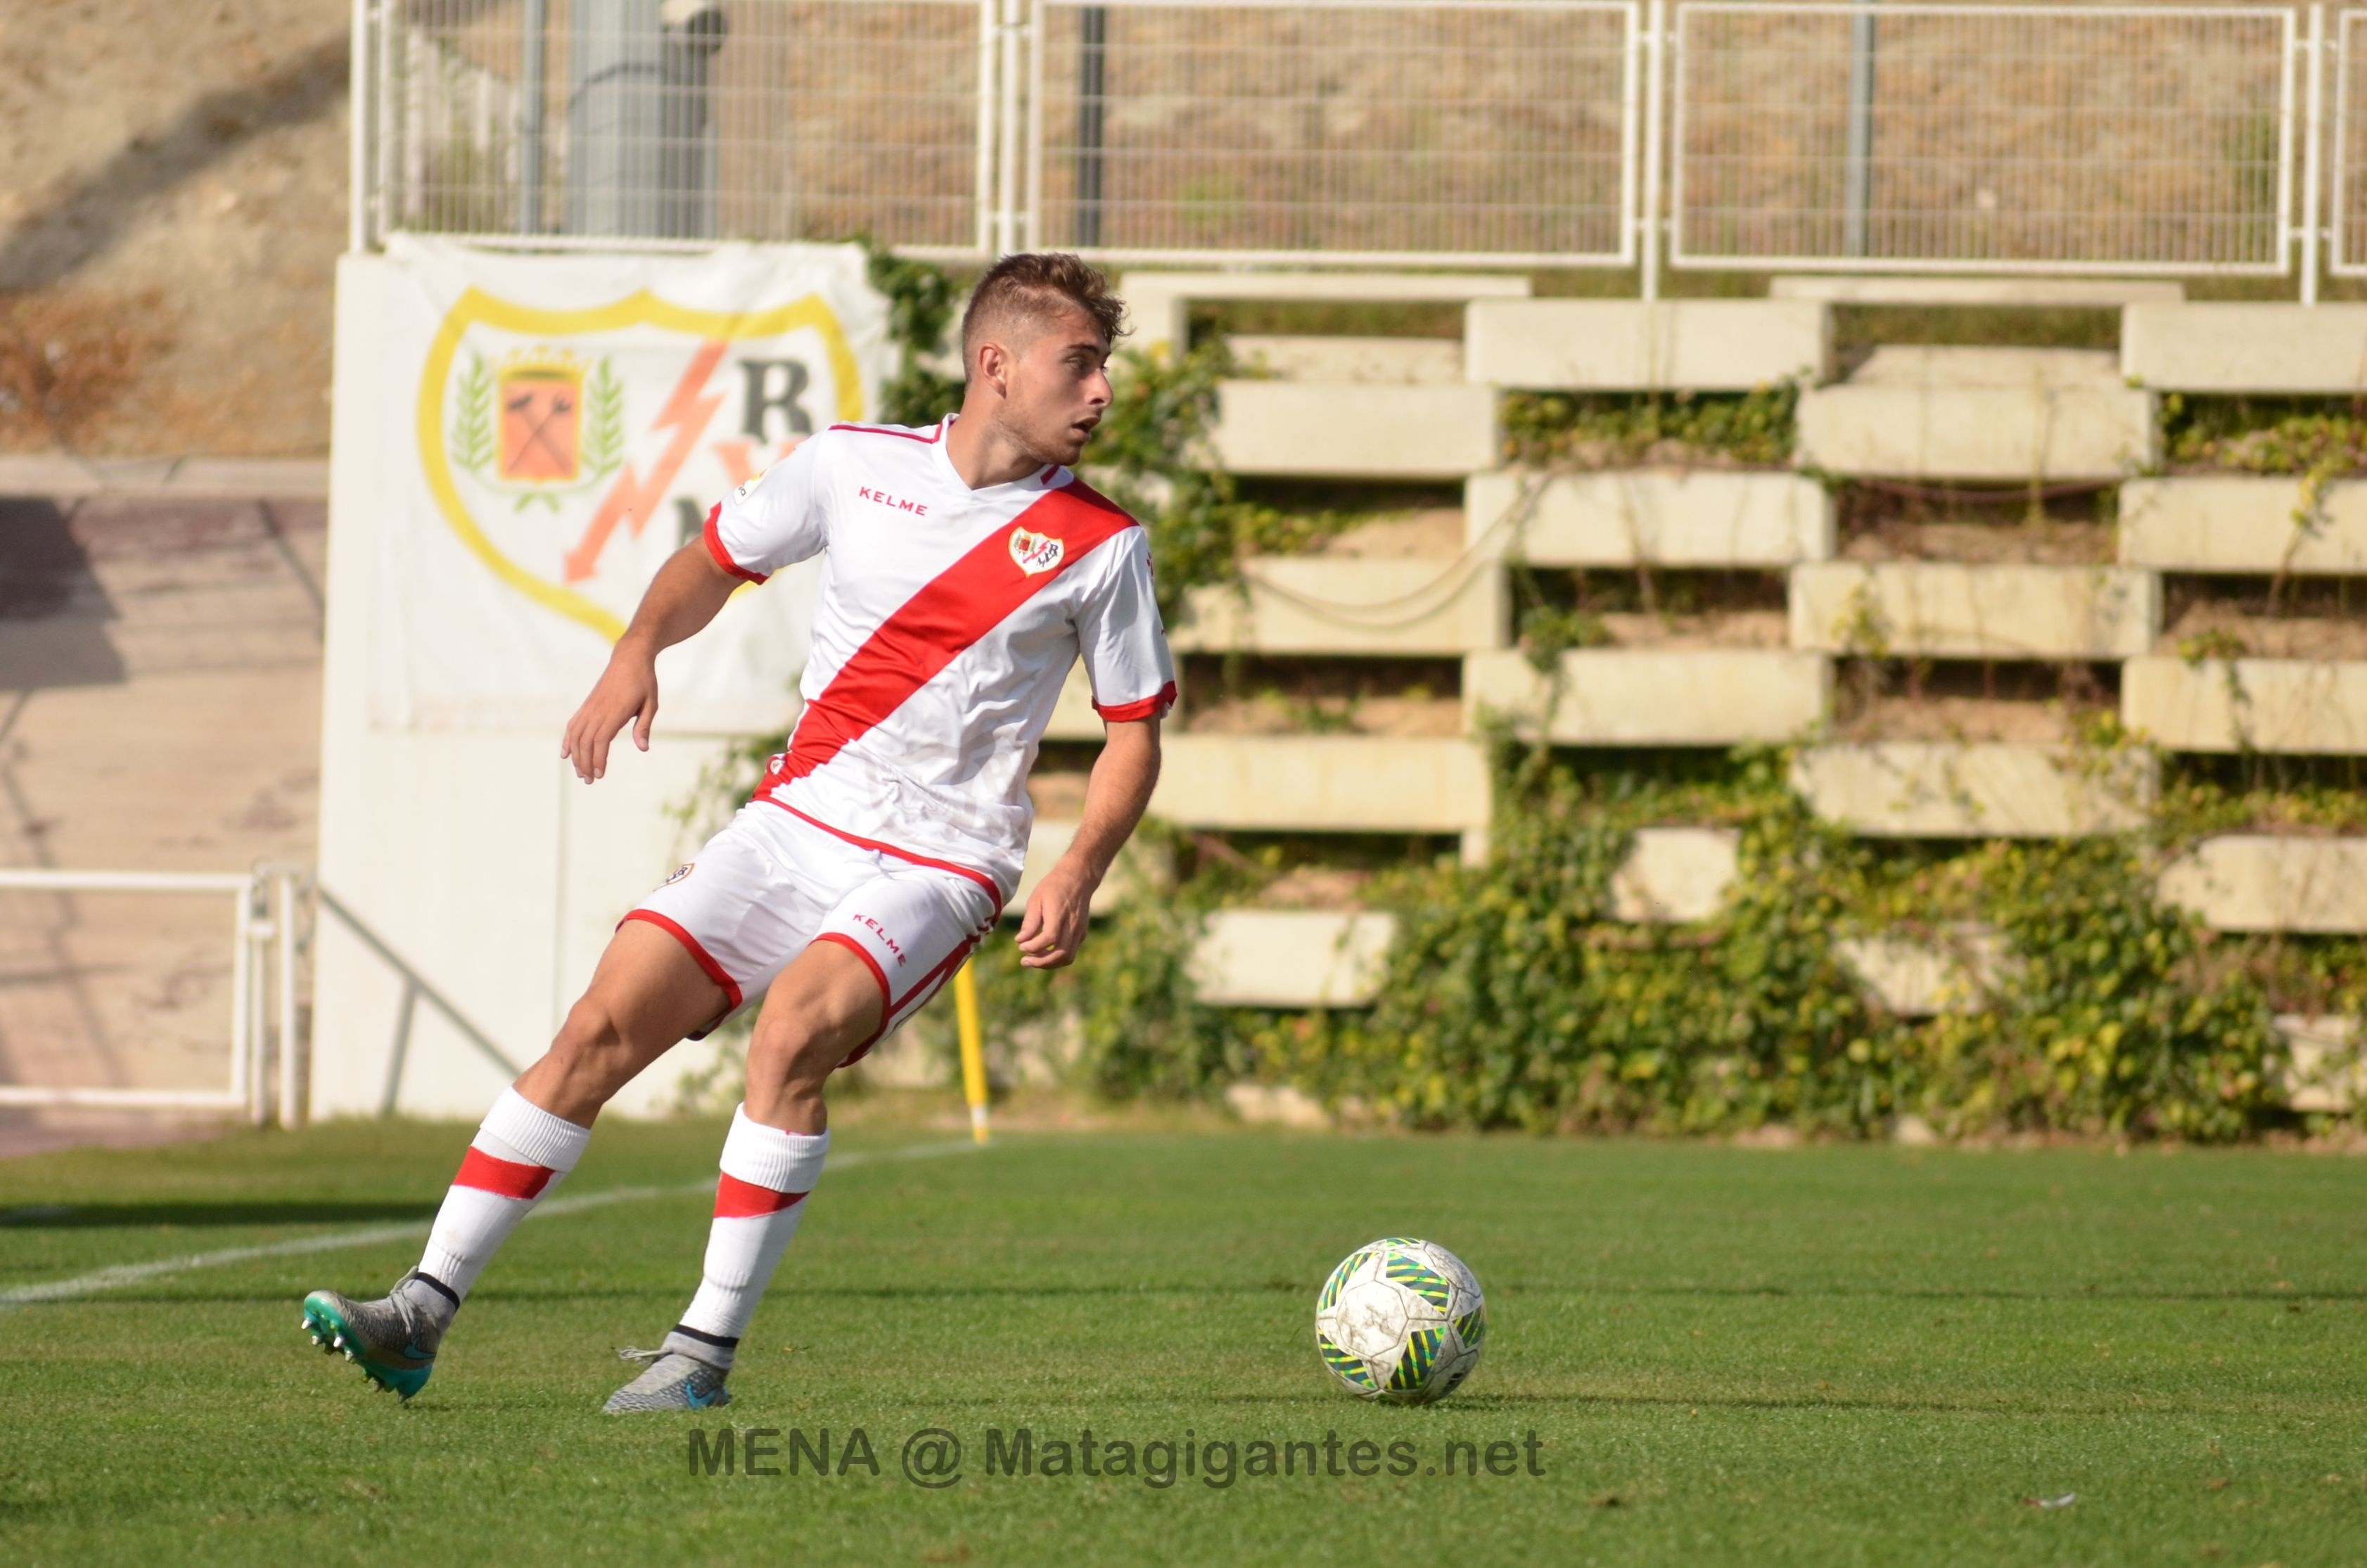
(160, 689)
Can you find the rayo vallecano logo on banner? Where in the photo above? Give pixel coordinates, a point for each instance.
(574, 419)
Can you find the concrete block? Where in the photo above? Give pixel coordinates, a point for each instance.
(1947, 609)
(1349, 605)
(2267, 346)
(1276, 1105)
(1323, 784)
(1073, 717)
(1138, 867)
(2260, 883)
(1384, 361)
(1675, 875)
(1640, 346)
(1953, 789)
(1652, 517)
(1267, 957)
(1999, 415)
(1360, 432)
(2239, 523)
(1158, 302)
(1652, 697)
(1921, 978)
(237, 478)
(1898, 289)
(2329, 1073)
(2267, 705)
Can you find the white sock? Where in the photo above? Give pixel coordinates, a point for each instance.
(767, 1174)
(520, 1152)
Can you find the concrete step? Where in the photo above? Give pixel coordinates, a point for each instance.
(1614, 697)
(1655, 516)
(2329, 1074)
(1945, 609)
(1326, 784)
(1380, 361)
(1349, 605)
(2265, 882)
(1643, 345)
(1073, 717)
(1916, 978)
(1995, 414)
(1339, 430)
(2305, 706)
(1138, 867)
(1271, 958)
(1895, 289)
(2264, 347)
(1675, 875)
(2238, 523)
(61, 477)
(1959, 790)
(1158, 303)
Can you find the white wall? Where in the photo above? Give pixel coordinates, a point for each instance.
(476, 857)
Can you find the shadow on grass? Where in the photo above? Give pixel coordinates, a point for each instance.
(161, 1216)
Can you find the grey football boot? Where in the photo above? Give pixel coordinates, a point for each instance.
(393, 1339)
(677, 1375)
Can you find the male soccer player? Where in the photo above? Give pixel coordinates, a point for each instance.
(965, 570)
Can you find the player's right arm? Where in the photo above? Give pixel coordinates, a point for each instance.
(687, 592)
(774, 519)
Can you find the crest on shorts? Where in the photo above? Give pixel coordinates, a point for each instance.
(1035, 552)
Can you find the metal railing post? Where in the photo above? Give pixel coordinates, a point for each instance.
(295, 1061)
(1006, 184)
(1858, 162)
(363, 117)
(1655, 73)
(988, 40)
(2313, 169)
(532, 90)
(247, 1064)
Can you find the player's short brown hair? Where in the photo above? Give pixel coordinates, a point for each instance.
(1032, 284)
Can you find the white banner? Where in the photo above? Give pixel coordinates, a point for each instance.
(556, 427)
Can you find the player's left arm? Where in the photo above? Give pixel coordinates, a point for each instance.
(1115, 797)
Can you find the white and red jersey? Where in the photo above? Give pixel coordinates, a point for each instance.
(948, 621)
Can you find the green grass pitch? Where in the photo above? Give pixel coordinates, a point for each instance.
(1725, 1355)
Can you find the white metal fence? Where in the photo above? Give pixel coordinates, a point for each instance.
(1989, 137)
(1351, 130)
(683, 121)
(1708, 133)
(266, 917)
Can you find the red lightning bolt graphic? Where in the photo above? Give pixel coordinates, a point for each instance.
(635, 498)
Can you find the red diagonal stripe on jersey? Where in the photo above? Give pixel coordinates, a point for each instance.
(737, 1199)
(510, 1178)
(951, 611)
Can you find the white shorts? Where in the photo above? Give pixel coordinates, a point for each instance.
(774, 882)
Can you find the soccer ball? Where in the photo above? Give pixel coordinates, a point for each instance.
(1401, 1320)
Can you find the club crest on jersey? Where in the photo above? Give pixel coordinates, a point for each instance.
(1035, 552)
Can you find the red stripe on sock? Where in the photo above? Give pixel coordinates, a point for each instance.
(510, 1178)
(737, 1199)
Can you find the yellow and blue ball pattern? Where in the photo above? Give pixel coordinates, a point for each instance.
(1401, 1320)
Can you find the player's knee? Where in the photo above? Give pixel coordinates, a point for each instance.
(591, 1042)
(792, 1052)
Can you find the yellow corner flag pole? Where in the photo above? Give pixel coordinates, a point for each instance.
(973, 1048)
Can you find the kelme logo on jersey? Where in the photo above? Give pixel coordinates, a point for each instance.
(1035, 552)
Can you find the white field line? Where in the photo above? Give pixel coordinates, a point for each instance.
(369, 1235)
